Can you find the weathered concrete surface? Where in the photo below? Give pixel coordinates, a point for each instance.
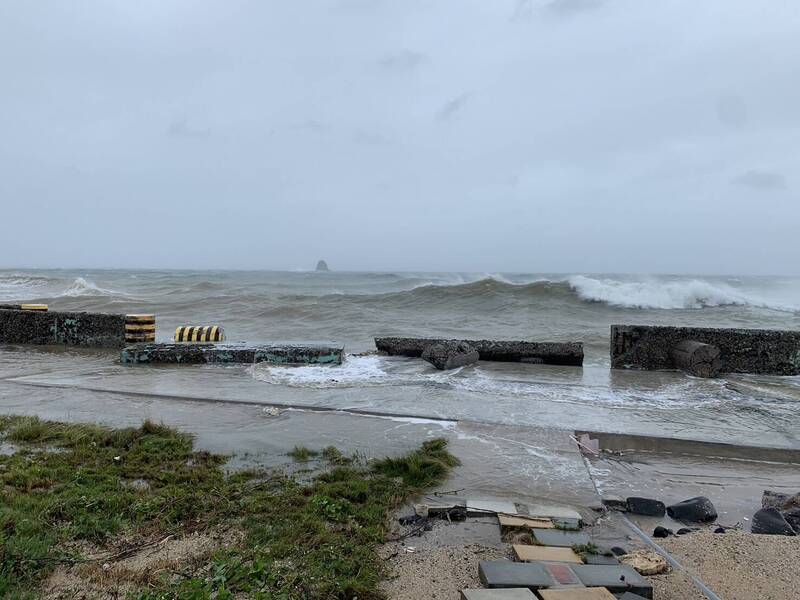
(769, 352)
(240, 352)
(450, 355)
(71, 328)
(549, 353)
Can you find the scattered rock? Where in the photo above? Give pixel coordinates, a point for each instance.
(662, 532)
(619, 551)
(787, 504)
(694, 510)
(646, 507)
(720, 530)
(646, 562)
(770, 521)
(450, 354)
(683, 531)
(614, 503)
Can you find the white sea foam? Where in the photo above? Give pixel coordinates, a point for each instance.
(666, 294)
(84, 287)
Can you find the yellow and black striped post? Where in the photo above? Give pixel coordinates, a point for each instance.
(41, 307)
(200, 333)
(140, 329)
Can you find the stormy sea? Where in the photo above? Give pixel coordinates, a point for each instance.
(353, 308)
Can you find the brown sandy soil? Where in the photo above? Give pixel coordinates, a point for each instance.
(105, 577)
(741, 566)
(439, 573)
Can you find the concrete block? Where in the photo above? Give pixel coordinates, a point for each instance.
(478, 508)
(616, 578)
(562, 574)
(442, 504)
(550, 353)
(587, 593)
(68, 328)
(561, 538)
(763, 351)
(498, 594)
(240, 352)
(547, 511)
(600, 559)
(526, 553)
(523, 522)
(507, 574)
(567, 524)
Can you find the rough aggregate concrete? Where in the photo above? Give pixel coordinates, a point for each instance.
(232, 353)
(69, 328)
(761, 351)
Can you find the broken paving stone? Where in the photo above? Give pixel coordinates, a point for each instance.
(567, 524)
(614, 503)
(587, 593)
(452, 506)
(616, 579)
(479, 508)
(562, 574)
(498, 594)
(646, 562)
(526, 553)
(558, 537)
(507, 574)
(553, 512)
(600, 559)
(522, 522)
(646, 507)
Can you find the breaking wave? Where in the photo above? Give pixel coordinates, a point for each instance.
(84, 287)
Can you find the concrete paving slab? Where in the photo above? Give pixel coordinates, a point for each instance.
(596, 593)
(567, 524)
(525, 553)
(441, 504)
(522, 522)
(552, 512)
(617, 578)
(563, 575)
(507, 574)
(476, 508)
(560, 538)
(499, 594)
(600, 559)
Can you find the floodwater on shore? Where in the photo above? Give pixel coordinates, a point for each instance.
(511, 422)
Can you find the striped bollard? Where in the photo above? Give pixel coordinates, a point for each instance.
(199, 333)
(140, 329)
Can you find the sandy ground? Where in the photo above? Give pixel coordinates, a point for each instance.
(741, 566)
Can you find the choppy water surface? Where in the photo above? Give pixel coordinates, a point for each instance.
(355, 307)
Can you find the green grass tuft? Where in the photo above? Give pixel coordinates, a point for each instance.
(302, 454)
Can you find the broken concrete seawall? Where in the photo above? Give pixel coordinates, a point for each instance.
(236, 352)
(760, 351)
(71, 328)
(548, 353)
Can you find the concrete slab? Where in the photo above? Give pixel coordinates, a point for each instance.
(617, 578)
(595, 593)
(442, 504)
(567, 524)
(287, 353)
(526, 553)
(600, 559)
(501, 594)
(476, 508)
(549, 511)
(562, 574)
(507, 574)
(523, 522)
(560, 538)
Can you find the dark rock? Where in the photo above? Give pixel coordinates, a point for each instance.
(719, 530)
(770, 521)
(694, 510)
(619, 551)
(450, 354)
(787, 504)
(614, 503)
(646, 507)
(322, 266)
(771, 352)
(683, 531)
(550, 353)
(662, 532)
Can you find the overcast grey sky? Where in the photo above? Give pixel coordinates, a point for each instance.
(506, 135)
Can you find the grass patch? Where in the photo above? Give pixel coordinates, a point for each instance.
(70, 484)
(302, 454)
